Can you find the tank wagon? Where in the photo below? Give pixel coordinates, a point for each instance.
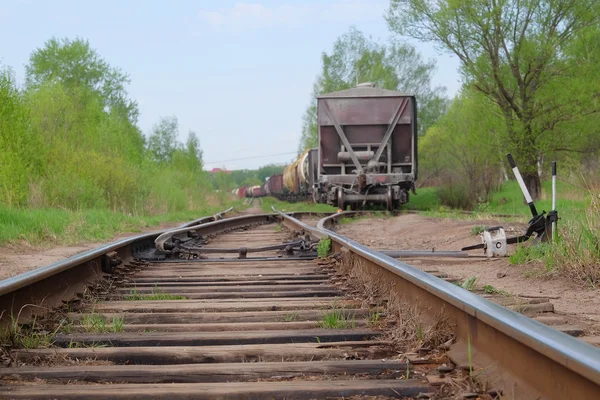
(298, 179)
(367, 147)
(366, 154)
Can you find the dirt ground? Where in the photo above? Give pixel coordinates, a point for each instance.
(22, 257)
(416, 232)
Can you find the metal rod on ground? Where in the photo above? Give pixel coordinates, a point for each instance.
(554, 199)
(528, 198)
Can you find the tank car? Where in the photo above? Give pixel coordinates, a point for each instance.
(367, 147)
(299, 178)
(254, 191)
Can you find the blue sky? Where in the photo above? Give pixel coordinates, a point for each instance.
(238, 73)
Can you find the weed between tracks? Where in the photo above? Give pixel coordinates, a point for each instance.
(324, 247)
(155, 295)
(337, 319)
(97, 323)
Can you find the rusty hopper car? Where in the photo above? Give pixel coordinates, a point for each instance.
(367, 147)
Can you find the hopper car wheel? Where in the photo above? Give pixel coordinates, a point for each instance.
(390, 200)
(340, 199)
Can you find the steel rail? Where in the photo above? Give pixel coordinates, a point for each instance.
(27, 278)
(62, 280)
(43, 288)
(531, 357)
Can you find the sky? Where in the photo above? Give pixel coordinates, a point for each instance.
(239, 74)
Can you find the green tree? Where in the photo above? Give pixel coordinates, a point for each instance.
(16, 143)
(162, 142)
(461, 154)
(193, 152)
(519, 54)
(77, 66)
(269, 170)
(395, 66)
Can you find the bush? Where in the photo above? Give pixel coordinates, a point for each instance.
(458, 196)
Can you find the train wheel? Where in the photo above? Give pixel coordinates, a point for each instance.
(340, 199)
(390, 200)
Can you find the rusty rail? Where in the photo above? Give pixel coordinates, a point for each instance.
(63, 279)
(524, 356)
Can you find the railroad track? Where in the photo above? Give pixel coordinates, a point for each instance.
(222, 321)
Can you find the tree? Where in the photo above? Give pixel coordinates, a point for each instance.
(460, 153)
(162, 142)
(80, 68)
(16, 142)
(515, 52)
(194, 152)
(395, 66)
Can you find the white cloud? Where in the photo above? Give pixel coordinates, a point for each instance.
(242, 16)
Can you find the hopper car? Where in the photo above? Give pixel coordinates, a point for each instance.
(366, 154)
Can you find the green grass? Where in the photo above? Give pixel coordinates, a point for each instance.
(426, 199)
(374, 317)
(324, 247)
(97, 323)
(290, 317)
(295, 207)
(336, 319)
(61, 226)
(470, 283)
(27, 336)
(155, 295)
(477, 229)
(509, 200)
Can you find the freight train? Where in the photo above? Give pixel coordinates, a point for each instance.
(366, 154)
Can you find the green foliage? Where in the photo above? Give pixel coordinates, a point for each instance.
(290, 317)
(395, 66)
(470, 283)
(426, 199)
(97, 323)
(478, 229)
(162, 142)
(374, 317)
(40, 225)
(535, 61)
(576, 252)
(155, 295)
(456, 195)
(70, 141)
(489, 289)
(15, 142)
(78, 67)
(28, 336)
(324, 247)
(461, 153)
(337, 319)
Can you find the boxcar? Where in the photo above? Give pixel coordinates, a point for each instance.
(275, 185)
(367, 146)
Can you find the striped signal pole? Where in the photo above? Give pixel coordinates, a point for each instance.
(528, 198)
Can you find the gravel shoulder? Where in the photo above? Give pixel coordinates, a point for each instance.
(417, 232)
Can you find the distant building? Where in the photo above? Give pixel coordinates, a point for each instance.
(215, 170)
